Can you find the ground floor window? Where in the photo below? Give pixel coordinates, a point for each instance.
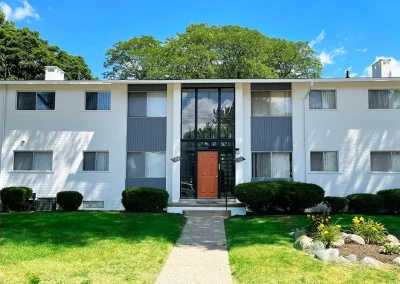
(145, 165)
(95, 161)
(324, 161)
(33, 161)
(272, 165)
(385, 161)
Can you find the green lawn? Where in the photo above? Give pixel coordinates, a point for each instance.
(261, 251)
(85, 247)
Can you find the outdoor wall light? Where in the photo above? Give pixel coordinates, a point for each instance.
(176, 159)
(237, 150)
(22, 143)
(239, 159)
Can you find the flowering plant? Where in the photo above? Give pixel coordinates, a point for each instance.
(322, 230)
(372, 232)
(317, 222)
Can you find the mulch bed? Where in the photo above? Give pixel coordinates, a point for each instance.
(362, 251)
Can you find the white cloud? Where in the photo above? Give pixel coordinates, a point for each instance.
(319, 38)
(395, 66)
(19, 13)
(362, 49)
(327, 57)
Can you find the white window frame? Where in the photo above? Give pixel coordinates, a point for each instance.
(30, 91)
(270, 157)
(323, 161)
(270, 103)
(33, 160)
(97, 91)
(322, 108)
(95, 165)
(391, 161)
(380, 109)
(145, 163)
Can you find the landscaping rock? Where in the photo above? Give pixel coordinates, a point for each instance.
(338, 243)
(315, 247)
(303, 243)
(372, 262)
(355, 239)
(396, 260)
(299, 233)
(343, 236)
(351, 257)
(340, 259)
(392, 239)
(327, 254)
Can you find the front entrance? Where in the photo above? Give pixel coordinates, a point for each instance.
(207, 174)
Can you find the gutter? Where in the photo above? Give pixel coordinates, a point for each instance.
(306, 130)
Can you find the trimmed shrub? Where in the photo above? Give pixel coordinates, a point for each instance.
(69, 200)
(391, 198)
(14, 197)
(336, 204)
(295, 197)
(365, 202)
(258, 196)
(144, 199)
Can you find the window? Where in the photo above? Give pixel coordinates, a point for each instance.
(98, 100)
(147, 104)
(36, 100)
(272, 165)
(33, 161)
(324, 161)
(271, 103)
(145, 165)
(322, 99)
(384, 99)
(95, 161)
(385, 161)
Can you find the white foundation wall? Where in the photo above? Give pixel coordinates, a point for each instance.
(68, 131)
(353, 130)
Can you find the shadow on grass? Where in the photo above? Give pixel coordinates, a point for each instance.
(275, 230)
(74, 229)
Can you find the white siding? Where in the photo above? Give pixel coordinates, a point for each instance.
(68, 131)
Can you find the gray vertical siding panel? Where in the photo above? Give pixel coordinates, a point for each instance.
(271, 86)
(147, 182)
(147, 134)
(147, 87)
(271, 134)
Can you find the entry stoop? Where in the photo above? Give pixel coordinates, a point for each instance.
(223, 213)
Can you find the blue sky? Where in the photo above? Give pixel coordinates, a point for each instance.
(348, 35)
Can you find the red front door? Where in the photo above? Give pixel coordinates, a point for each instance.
(207, 174)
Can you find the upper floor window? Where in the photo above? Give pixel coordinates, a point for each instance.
(33, 161)
(98, 100)
(385, 161)
(384, 99)
(324, 161)
(95, 161)
(271, 103)
(147, 104)
(271, 165)
(36, 100)
(322, 99)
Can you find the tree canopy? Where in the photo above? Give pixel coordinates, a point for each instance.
(208, 51)
(23, 55)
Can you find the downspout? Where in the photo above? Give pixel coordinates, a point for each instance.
(306, 130)
(3, 130)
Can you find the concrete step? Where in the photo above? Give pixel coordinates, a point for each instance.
(223, 213)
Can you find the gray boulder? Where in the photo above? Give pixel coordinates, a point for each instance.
(338, 243)
(343, 236)
(327, 254)
(340, 259)
(392, 239)
(372, 262)
(315, 247)
(302, 243)
(355, 239)
(397, 260)
(351, 257)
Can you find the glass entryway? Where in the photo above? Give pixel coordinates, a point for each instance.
(208, 125)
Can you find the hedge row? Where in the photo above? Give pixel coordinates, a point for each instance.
(291, 197)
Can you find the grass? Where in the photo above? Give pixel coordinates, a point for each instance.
(85, 247)
(261, 251)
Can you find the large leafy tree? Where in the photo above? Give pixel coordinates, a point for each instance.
(23, 55)
(208, 51)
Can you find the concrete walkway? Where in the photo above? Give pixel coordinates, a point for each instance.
(200, 254)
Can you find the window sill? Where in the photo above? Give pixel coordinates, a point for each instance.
(30, 172)
(322, 172)
(95, 110)
(94, 172)
(323, 109)
(384, 173)
(145, 177)
(383, 109)
(35, 110)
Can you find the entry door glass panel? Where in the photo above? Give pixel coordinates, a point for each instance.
(207, 114)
